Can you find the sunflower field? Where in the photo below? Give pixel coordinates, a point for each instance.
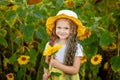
(23, 37)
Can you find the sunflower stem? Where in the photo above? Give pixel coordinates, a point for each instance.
(118, 44)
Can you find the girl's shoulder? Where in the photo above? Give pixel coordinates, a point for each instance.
(79, 51)
(46, 45)
(79, 45)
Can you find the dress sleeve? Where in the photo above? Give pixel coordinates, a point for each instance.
(79, 51)
(46, 45)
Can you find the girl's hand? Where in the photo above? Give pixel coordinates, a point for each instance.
(46, 76)
(54, 62)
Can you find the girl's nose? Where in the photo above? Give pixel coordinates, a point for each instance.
(62, 30)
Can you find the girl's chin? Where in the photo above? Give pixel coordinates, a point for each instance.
(62, 38)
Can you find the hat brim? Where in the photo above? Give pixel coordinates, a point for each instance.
(50, 23)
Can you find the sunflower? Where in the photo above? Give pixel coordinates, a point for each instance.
(14, 7)
(69, 3)
(106, 65)
(30, 45)
(23, 59)
(22, 49)
(10, 76)
(30, 2)
(18, 34)
(83, 60)
(51, 50)
(86, 35)
(112, 46)
(96, 59)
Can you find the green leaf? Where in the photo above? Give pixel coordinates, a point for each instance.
(21, 12)
(94, 69)
(38, 14)
(115, 63)
(21, 72)
(41, 46)
(23, 68)
(6, 61)
(3, 32)
(28, 31)
(18, 41)
(91, 49)
(12, 36)
(4, 2)
(55, 73)
(12, 59)
(31, 18)
(19, 75)
(10, 18)
(91, 39)
(45, 65)
(40, 33)
(3, 42)
(40, 69)
(16, 68)
(33, 56)
(116, 15)
(106, 38)
(105, 21)
(59, 2)
(29, 77)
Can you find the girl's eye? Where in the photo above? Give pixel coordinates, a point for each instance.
(66, 28)
(58, 27)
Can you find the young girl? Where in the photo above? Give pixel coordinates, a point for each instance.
(64, 28)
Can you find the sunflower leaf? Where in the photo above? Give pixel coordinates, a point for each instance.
(113, 61)
(55, 73)
(45, 65)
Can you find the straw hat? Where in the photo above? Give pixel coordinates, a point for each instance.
(50, 23)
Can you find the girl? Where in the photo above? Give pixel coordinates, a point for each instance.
(64, 28)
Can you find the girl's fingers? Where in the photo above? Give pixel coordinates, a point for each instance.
(48, 74)
(45, 76)
(52, 57)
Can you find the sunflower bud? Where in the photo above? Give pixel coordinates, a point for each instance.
(30, 2)
(106, 65)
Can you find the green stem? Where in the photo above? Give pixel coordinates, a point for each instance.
(50, 78)
(11, 42)
(101, 28)
(50, 67)
(118, 44)
(24, 77)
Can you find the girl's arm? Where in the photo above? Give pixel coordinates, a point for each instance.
(46, 71)
(47, 60)
(67, 69)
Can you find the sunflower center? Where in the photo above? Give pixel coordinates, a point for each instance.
(96, 59)
(23, 58)
(10, 76)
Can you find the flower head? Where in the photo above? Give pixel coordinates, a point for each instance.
(30, 2)
(69, 3)
(51, 50)
(96, 59)
(112, 46)
(86, 35)
(10, 76)
(14, 7)
(83, 60)
(23, 59)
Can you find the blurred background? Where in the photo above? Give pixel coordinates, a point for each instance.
(23, 37)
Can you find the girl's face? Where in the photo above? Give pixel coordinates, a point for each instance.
(62, 28)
